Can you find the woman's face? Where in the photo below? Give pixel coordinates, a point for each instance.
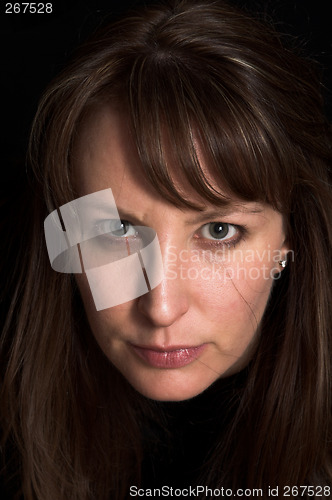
(200, 322)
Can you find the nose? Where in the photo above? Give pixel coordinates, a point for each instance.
(166, 303)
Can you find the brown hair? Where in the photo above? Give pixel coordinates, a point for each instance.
(259, 114)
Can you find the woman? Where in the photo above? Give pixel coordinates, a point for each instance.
(197, 123)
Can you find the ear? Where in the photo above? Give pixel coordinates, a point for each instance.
(285, 248)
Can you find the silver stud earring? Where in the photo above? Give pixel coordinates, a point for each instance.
(282, 263)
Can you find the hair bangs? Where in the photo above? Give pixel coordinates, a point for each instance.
(235, 156)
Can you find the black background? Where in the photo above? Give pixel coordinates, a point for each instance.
(34, 48)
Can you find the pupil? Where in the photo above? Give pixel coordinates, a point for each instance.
(218, 230)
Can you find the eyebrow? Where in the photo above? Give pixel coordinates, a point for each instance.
(223, 212)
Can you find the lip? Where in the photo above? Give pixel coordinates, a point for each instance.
(168, 357)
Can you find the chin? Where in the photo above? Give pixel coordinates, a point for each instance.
(171, 394)
(170, 386)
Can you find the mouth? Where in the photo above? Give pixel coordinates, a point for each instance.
(168, 357)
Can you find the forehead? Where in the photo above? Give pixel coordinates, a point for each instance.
(106, 155)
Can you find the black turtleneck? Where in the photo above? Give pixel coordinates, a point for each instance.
(178, 444)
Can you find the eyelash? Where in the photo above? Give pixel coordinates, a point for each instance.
(241, 231)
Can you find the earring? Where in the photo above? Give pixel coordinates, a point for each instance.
(282, 263)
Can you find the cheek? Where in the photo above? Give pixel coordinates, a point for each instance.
(253, 284)
(239, 288)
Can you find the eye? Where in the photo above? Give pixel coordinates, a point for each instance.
(218, 231)
(117, 228)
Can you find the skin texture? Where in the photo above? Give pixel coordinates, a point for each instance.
(214, 292)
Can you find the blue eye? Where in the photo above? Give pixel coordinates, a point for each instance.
(218, 231)
(116, 228)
